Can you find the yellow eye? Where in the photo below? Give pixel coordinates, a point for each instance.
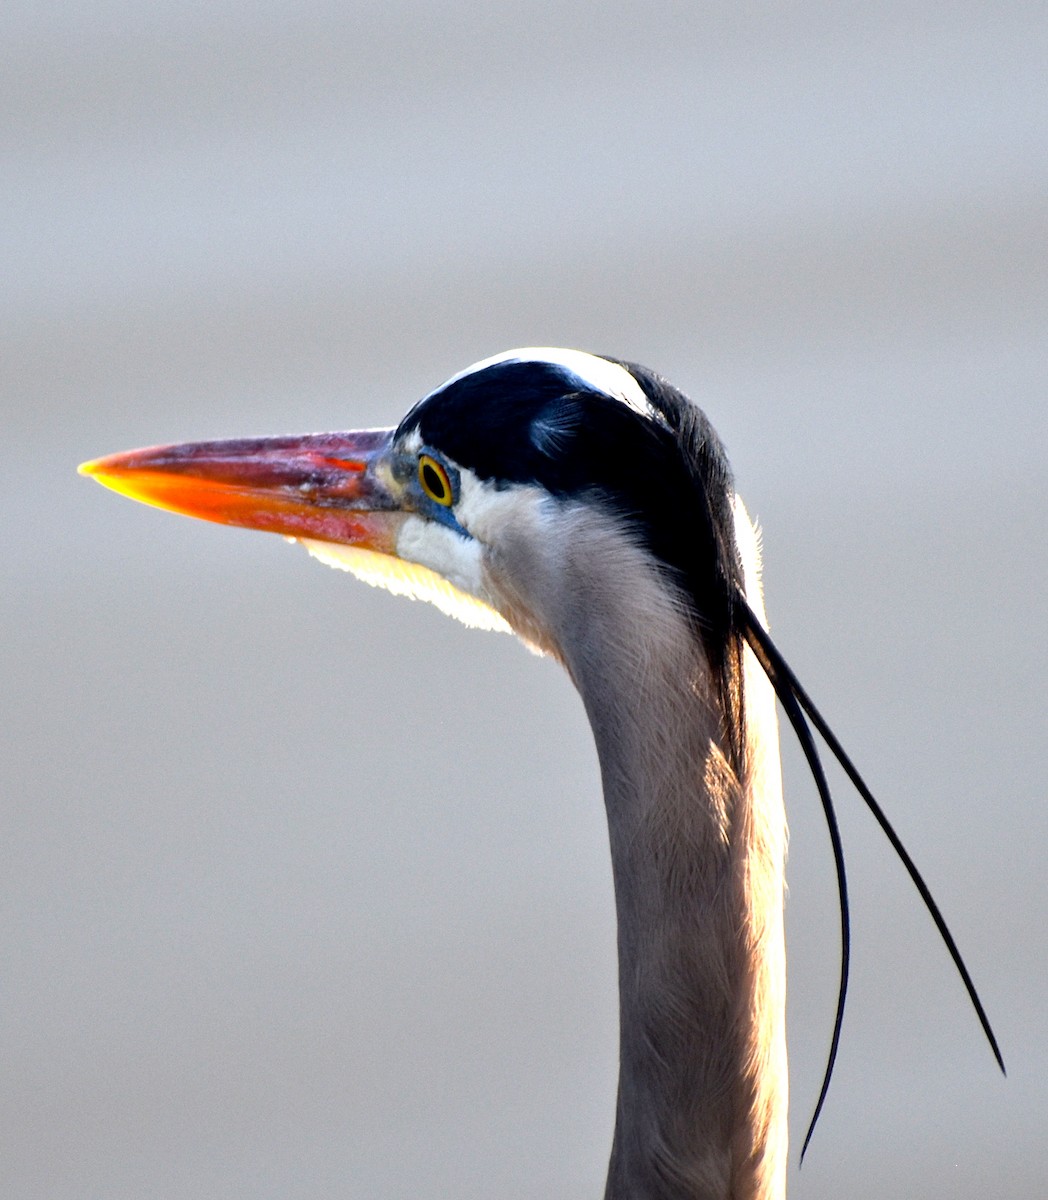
(434, 480)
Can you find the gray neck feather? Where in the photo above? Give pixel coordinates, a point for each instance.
(697, 857)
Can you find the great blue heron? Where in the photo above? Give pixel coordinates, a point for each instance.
(586, 504)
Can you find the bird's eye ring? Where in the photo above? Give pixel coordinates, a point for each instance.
(434, 481)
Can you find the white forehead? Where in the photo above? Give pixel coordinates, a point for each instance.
(595, 373)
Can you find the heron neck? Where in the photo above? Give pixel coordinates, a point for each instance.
(697, 857)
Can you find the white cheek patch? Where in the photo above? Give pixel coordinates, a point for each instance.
(488, 512)
(453, 557)
(446, 569)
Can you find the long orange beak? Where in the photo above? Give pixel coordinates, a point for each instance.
(326, 486)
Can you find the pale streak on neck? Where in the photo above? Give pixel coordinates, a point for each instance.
(697, 858)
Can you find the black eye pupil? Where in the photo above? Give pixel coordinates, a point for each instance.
(433, 482)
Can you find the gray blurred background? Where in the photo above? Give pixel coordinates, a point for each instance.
(305, 889)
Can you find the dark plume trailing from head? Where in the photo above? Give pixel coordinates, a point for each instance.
(800, 708)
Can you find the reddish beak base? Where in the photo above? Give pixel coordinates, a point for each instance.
(322, 486)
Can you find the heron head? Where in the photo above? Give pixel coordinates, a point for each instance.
(498, 480)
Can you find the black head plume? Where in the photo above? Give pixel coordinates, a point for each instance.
(799, 708)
